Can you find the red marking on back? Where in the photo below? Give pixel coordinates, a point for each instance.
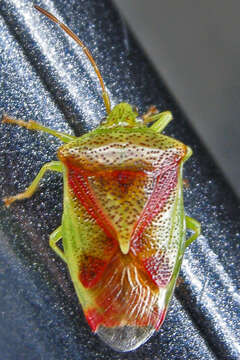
(125, 178)
(157, 268)
(161, 319)
(91, 269)
(165, 184)
(122, 302)
(78, 181)
(94, 318)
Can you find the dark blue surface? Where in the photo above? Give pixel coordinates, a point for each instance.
(45, 77)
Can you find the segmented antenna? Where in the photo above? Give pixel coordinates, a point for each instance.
(86, 51)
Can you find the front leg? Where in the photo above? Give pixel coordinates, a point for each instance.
(53, 166)
(35, 126)
(151, 111)
(194, 225)
(161, 121)
(55, 236)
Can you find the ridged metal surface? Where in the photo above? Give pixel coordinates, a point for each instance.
(44, 76)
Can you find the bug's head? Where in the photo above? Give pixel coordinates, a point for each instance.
(122, 114)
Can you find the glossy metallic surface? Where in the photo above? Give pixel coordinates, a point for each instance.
(44, 76)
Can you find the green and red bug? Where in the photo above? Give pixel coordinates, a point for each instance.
(123, 226)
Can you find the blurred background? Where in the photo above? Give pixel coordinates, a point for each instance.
(195, 46)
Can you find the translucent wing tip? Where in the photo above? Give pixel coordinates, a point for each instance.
(125, 338)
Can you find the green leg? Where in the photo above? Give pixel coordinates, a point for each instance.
(161, 120)
(33, 125)
(55, 236)
(188, 154)
(194, 225)
(53, 166)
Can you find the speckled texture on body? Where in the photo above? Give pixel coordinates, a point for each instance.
(45, 77)
(123, 227)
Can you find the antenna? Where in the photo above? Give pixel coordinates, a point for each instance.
(86, 51)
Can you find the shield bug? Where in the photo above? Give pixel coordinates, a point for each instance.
(123, 226)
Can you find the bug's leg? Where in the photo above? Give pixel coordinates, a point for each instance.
(33, 125)
(55, 236)
(151, 111)
(53, 166)
(194, 225)
(161, 120)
